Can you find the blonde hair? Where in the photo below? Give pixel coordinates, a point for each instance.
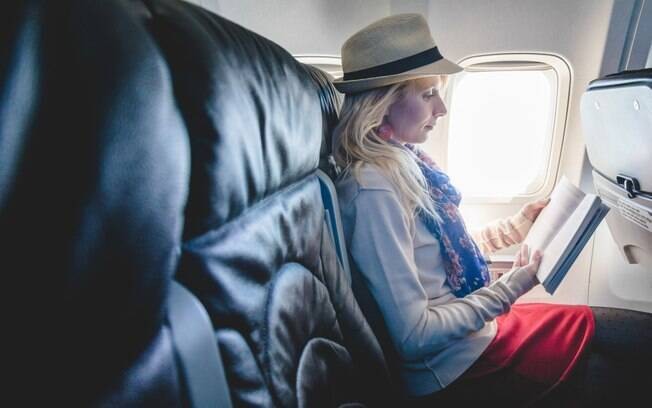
(356, 143)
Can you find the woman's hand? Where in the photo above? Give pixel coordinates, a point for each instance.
(532, 209)
(527, 262)
(523, 276)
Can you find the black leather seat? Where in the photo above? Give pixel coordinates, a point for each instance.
(256, 250)
(94, 170)
(145, 140)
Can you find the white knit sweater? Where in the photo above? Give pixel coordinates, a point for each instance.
(437, 335)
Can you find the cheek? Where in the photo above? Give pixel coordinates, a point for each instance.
(407, 114)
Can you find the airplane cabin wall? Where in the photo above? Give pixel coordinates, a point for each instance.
(595, 38)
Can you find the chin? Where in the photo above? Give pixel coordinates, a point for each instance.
(414, 138)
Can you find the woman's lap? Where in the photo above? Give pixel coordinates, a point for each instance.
(615, 368)
(536, 347)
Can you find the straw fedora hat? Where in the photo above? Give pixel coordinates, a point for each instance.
(391, 50)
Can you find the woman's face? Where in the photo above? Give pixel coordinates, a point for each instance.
(416, 114)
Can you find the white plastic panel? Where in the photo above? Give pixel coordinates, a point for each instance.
(614, 282)
(617, 123)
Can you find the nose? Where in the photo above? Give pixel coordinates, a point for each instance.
(439, 108)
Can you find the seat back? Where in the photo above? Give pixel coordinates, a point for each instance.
(94, 168)
(256, 249)
(617, 121)
(331, 101)
(141, 141)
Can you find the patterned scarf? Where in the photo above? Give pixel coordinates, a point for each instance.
(466, 268)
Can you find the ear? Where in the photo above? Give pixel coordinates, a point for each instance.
(385, 130)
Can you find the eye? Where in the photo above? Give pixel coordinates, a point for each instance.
(430, 93)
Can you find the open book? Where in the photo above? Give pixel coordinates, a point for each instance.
(562, 229)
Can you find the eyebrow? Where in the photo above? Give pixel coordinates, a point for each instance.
(430, 85)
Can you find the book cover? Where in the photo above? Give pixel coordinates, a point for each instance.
(562, 230)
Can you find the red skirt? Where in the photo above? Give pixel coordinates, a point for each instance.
(539, 342)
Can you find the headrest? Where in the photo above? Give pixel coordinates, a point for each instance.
(246, 108)
(331, 102)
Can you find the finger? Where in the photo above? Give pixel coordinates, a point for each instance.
(517, 259)
(516, 263)
(532, 210)
(535, 262)
(541, 204)
(533, 267)
(522, 260)
(537, 256)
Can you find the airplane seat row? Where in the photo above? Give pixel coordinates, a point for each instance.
(145, 143)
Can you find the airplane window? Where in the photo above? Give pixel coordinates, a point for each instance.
(500, 130)
(501, 140)
(332, 64)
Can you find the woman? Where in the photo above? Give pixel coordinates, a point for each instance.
(448, 323)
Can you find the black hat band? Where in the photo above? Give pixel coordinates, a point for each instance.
(396, 67)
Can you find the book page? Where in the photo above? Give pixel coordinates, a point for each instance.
(557, 274)
(565, 240)
(563, 201)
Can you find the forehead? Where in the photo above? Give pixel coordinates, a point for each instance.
(427, 83)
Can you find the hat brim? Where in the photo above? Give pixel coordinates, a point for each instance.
(441, 67)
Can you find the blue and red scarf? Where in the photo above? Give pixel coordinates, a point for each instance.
(466, 268)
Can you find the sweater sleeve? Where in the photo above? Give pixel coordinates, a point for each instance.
(502, 233)
(382, 247)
